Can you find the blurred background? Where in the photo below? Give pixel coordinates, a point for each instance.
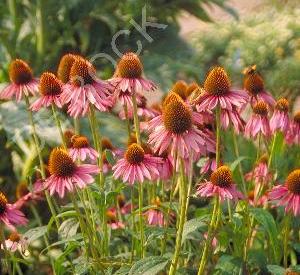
(199, 34)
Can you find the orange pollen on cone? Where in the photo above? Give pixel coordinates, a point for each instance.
(79, 142)
(171, 97)
(50, 84)
(106, 144)
(217, 82)
(3, 202)
(60, 163)
(177, 117)
(293, 182)
(82, 72)
(130, 66)
(260, 108)
(297, 117)
(20, 72)
(253, 82)
(282, 104)
(14, 237)
(64, 67)
(135, 154)
(222, 177)
(180, 88)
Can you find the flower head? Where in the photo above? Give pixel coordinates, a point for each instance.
(85, 89)
(180, 88)
(136, 165)
(22, 81)
(260, 173)
(16, 242)
(112, 220)
(81, 149)
(50, 88)
(155, 216)
(64, 67)
(254, 85)
(66, 174)
(220, 184)
(288, 194)
(9, 214)
(217, 91)
(280, 120)
(128, 77)
(259, 122)
(176, 127)
(293, 134)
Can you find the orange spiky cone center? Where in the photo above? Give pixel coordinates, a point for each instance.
(82, 72)
(130, 66)
(134, 154)
(20, 72)
(260, 108)
(217, 82)
(50, 84)
(222, 177)
(293, 182)
(3, 203)
(64, 67)
(60, 163)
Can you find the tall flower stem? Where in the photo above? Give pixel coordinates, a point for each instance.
(286, 231)
(127, 119)
(6, 252)
(59, 126)
(272, 149)
(216, 210)
(138, 139)
(182, 218)
(98, 145)
(77, 126)
(42, 168)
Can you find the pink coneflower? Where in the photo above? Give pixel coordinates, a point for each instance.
(254, 85)
(259, 122)
(176, 128)
(50, 89)
(16, 242)
(85, 89)
(214, 241)
(114, 223)
(66, 174)
(165, 168)
(24, 195)
(220, 184)
(142, 110)
(210, 164)
(280, 120)
(9, 214)
(81, 149)
(293, 134)
(260, 173)
(128, 77)
(180, 88)
(125, 207)
(217, 91)
(254, 201)
(22, 81)
(288, 194)
(136, 165)
(234, 117)
(64, 67)
(155, 215)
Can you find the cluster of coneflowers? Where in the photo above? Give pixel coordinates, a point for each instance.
(165, 142)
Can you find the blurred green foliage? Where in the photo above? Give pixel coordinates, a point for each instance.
(269, 39)
(40, 31)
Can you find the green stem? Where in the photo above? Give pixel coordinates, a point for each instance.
(40, 30)
(141, 222)
(182, 218)
(42, 167)
(210, 235)
(77, 126)
(127, 120)
(272, 149)
(57, 121)
(6, 252)
(218, 136)
(136, 121)
(286, 231)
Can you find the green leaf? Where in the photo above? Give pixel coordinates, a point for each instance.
(237, 162)
(192, 226)
(265, 219)
(149, 266)
(276, 269)
(68, 228)
(110, 157)
(35, 233)
(228, 265)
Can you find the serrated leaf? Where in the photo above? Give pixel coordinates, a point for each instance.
(149, 266)
(110, 157)
(236, 163)
(276, 269)
(265, 219)
(68, 228)
(228, 265)
(35, 233)
(192, 226)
